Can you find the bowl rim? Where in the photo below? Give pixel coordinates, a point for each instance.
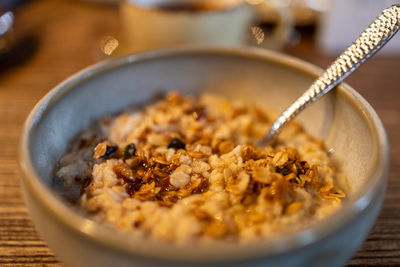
(112, 239)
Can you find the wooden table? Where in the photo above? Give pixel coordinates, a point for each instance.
(65, 38)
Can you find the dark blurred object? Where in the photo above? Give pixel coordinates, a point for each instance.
(6, 31)
(19, 52)
(7, 22)
(14, 46)
(304, 12)
(9, 5)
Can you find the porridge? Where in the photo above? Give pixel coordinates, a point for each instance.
(186, 169)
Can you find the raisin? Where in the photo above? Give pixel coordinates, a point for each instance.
(177, 144)
(130, 151)
(110, 150)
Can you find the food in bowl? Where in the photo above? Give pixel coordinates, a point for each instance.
(186, 169)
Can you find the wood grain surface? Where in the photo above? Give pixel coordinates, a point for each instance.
(60, 37)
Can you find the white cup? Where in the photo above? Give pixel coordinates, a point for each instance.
(151, 24)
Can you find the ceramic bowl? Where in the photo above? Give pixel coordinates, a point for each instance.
(343, 119)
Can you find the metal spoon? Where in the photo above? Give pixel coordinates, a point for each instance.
(365, 46)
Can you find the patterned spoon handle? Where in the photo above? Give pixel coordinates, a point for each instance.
(367, 44)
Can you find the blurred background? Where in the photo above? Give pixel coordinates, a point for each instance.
(42, 42)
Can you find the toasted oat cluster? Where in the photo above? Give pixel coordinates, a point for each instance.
(186, 169)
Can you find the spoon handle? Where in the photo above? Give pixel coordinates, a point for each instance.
(365, 46)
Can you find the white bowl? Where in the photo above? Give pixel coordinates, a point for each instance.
(343, 119)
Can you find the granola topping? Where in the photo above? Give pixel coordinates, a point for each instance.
(186, 169)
